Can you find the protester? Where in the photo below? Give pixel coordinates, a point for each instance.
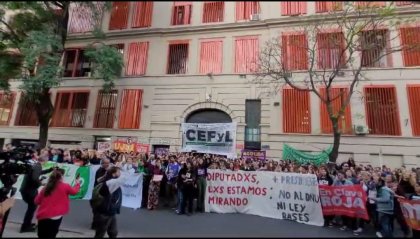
(201, 183)
(171, 175)
(385, 208)
(29, 190)
(416, 197)
(154, 187)
(404, 189)
(189, 177)
(54, 203)
(99, 176)
(111, 192)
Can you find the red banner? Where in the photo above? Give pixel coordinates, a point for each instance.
(411, 212)
(344, 200)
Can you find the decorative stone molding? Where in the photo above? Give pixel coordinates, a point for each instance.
(208, 105)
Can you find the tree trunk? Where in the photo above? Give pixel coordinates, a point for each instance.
(336, 145)
(44, 110)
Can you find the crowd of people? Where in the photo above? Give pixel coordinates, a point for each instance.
(180, 178)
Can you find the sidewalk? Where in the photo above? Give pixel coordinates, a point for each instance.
(12, 230)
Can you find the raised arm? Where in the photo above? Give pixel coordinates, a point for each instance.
(73, 190)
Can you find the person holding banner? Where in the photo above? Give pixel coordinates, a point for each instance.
(54, 203)
(341, 180)
(324, 178)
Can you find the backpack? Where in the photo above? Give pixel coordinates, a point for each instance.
(97, 198)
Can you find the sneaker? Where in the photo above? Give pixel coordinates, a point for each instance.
(343, 228)
(358, 231)
(30, 229)
(379, 234)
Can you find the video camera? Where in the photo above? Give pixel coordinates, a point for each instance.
(13, 163)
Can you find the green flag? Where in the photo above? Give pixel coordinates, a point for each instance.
(84, 172)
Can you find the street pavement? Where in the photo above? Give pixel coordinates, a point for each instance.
(165, 223)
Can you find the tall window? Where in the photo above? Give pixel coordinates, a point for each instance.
(338, 97)
(246, 54)
(70, 109)
(253, 121)
(294, 52)
(76, 64)
(136, 59)
(413, 93)
(105, 109)
(81, 17)
(142, 14)
(404, 3)
(6, 107)
(328, 6)
(130, 111)
(119, 15)
(26, 114)
(213, 12)
(296, 111)
(178, 58)
(181, 13)
(382, 110)
(293, 8)
(244, 10)
(410, 39)
(211, 56)
(331, 50)
(374, 46)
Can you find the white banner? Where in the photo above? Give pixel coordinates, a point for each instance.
(210, 138)
(287, 196)
(132, 189)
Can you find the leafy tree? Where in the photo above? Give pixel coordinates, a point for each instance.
(360, 31)
(32, 48)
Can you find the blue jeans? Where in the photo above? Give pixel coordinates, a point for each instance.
(180, 198)
(386, 221)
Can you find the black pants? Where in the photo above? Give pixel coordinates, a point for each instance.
(188, 192)
(30, 211)
(145, 192)
(106, 224)
(373, 215)
(48, 228)
(416, 234)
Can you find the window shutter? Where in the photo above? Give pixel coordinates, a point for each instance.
(213, 12)
(370, 4)
(413, 93)
(82, 19)
(296, 111)
(375, 45)
(403, 3)
(382, 110)
(293, 8)
(119, 15)
(344, 123)
(330, 48)
(328, 6)
(245, 9)
(130, 111)
(26, 115)
(294, 52)
(181, 13)
(211, 57)
(142, 15)
(70, 109)
(410, 39)
(246, 54)
(137, 58)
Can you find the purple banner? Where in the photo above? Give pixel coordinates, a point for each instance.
(161, 151)
(252, 154)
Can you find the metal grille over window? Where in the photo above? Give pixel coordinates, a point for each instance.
(82, 19)
(119, 15)
(130, 111)
(382, 114)
(374, 46)
(213, 12)
(414, 102)
(26, 115)
(105, 109)
(6, 107)
(410, 39)
(294, 52)
(178, 58)
(142, 14)
(181, 13)
(293, 8)
(244, 10)
(331, 50)
(328, 6)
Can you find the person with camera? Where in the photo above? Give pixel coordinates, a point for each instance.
(29, 189)
(54, 203)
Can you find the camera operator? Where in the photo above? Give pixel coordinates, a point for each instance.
(29, 190)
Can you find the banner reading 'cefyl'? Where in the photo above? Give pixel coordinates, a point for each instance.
(210, 138)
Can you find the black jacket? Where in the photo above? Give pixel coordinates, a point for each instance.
(31, 182)
(99, 173)
(112, 202)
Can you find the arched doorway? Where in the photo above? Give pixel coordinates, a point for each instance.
(208, 116)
